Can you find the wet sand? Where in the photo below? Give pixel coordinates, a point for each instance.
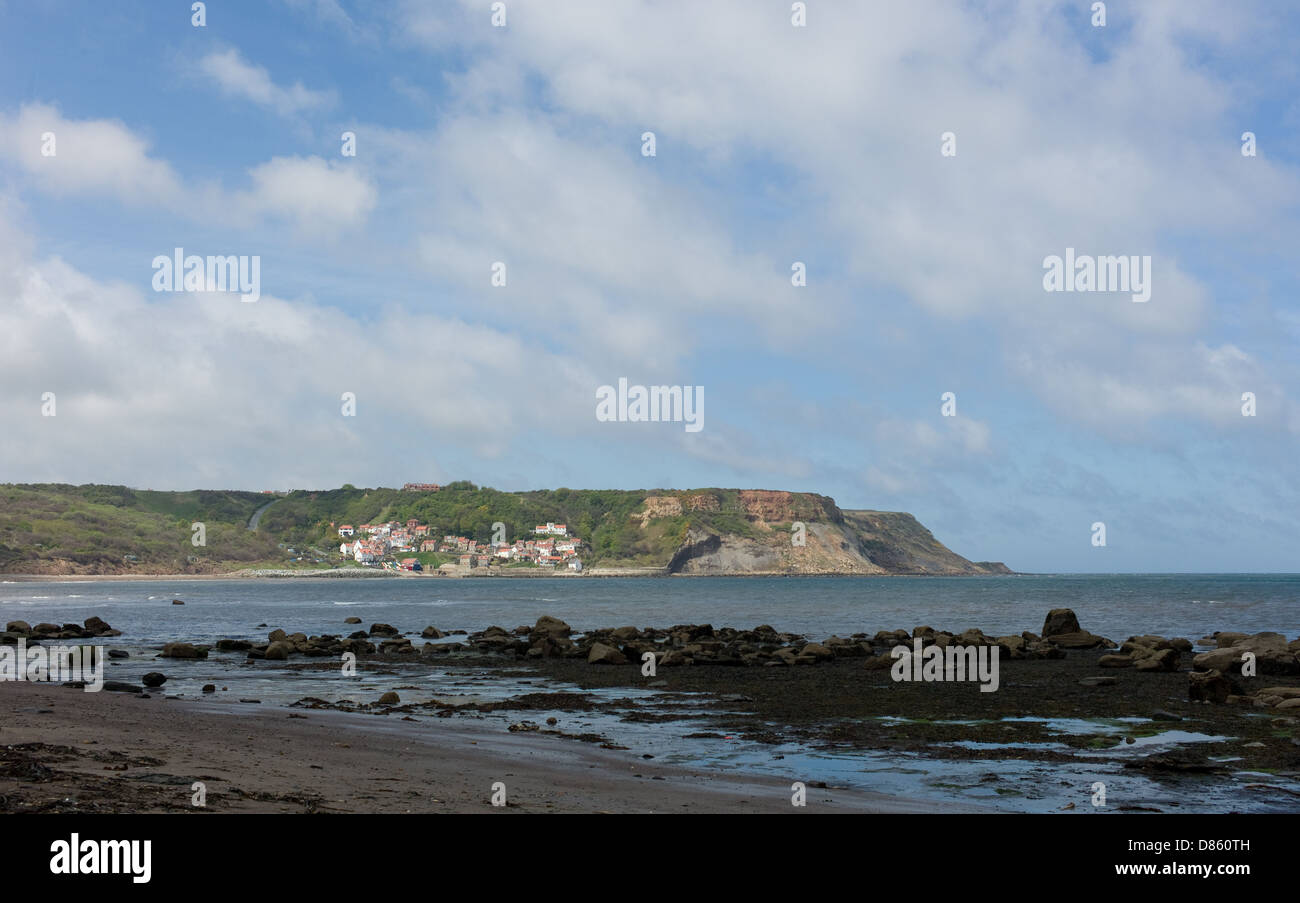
(63, 750)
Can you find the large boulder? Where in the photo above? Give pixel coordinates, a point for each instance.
(384, 630)
(1060, 620)
(1210, 686)
(97, 626)
(18, 627)
(154, 679)
(601, 654)
(549, 626)
(278, 651)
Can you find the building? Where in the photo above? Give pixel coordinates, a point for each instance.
(346, 530)
(550, 528)
(421, 487)
(575, 564)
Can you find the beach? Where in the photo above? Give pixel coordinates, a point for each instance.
(62, 750)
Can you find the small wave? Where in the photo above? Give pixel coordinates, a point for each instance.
(349, 603)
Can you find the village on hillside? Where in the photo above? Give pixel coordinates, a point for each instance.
(382, 545)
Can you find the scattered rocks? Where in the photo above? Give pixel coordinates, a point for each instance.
(1271, 651)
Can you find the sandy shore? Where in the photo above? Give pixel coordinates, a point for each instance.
(63, 750)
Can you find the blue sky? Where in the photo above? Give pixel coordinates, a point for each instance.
(775, 144)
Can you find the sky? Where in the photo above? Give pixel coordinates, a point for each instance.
(918, 162)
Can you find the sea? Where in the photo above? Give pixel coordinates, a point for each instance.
(1115, 606)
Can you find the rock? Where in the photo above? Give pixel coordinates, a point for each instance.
(1060, 620)
(1210, 686)
(1080, 639)
(116, 686)
(1115, 661)
(209, 688)
(352, 620)
(1293, 703)
(278, 651)
(550, 626)
(605, 655)
(431, 633)
(234, 645)
(177, 602)
(1097, 682)
(97, 626)
(277, 636)
(118, 653)
(1162, 715)
(1014, 646)
(389, 698)
(1224, 639)
(18, 627)
(183, 650)
(523, 726)
(1283, 692)
(816, 651)
(1272, 655)
(1160, 660)
(384, 630)
(154, 679)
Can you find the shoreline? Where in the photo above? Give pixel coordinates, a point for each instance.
(113, 752)
(347, 574)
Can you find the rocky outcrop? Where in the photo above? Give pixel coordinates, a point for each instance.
(1272, 654)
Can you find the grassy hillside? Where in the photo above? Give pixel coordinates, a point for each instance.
(94, 528)
(112, 529)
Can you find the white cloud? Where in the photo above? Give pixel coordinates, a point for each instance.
(320, 197)
(91, 157)
(239, 78)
